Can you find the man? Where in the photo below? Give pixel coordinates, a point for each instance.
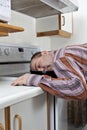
(70, 67)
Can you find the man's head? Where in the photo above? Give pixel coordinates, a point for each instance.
(41, 61)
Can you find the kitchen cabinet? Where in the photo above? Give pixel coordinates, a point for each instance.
(22, 108)
(2, 119)
(60, 24)
(30, 114)
(6, 28)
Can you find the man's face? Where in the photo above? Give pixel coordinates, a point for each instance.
(42, 63)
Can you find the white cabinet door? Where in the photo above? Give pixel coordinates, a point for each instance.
(49, 23)
(30, 114)
(66, 22)
(2, 119)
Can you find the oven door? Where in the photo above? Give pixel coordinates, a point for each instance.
(70, 115)
(14, 69)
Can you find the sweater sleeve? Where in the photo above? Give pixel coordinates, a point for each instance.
(34, 80)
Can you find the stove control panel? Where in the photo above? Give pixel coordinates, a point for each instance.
(16, 53)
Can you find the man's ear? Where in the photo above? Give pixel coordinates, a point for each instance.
(44, 52)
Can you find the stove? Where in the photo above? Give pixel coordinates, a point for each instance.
(15, 59)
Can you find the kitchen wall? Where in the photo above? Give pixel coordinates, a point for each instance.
(28, 36)
(53, 42)
(79, 28)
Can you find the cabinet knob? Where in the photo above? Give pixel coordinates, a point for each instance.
(1, 126)
(18, 117)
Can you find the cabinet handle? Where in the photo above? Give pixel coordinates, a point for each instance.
(1, 127)
(19, 121)
(63, 20)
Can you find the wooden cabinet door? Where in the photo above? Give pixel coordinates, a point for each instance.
(2, 119)
(5, 29)
(30, 114)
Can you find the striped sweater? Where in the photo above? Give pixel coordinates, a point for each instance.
(70, 66)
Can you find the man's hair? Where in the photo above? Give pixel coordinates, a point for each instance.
(37, 54)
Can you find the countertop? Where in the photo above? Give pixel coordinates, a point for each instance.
(10, 95)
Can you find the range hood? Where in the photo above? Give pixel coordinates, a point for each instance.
(63, 6)
(42, 8)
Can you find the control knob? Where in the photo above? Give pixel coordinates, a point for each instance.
(6, 51)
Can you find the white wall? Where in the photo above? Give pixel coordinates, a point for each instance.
(79, 28)
(28, 36)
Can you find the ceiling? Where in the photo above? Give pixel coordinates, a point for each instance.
(34, 8)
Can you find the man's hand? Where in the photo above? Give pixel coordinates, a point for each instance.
(21, 80)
